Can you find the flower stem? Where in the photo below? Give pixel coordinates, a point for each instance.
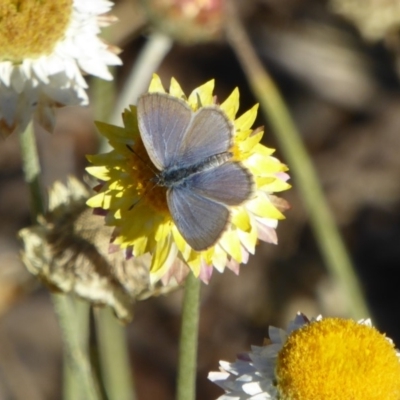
(188, 341)
(114, 356)
(305, 176)
(31, 168)
(114, 363)
(78, 374)
(74, 354)
(72, 385)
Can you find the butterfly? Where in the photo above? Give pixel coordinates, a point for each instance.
(192, 151)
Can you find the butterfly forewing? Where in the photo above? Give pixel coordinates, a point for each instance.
(199, 220)
(229, 183)
(209, 133)
(163, 122)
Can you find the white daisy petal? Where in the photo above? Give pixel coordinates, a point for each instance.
(18, 79)
(94, 68)
(54, 65)
(5, 72)
(110, 58)
(39, 69)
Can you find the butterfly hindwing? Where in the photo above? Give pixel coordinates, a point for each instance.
(229, 183)
(200, 221)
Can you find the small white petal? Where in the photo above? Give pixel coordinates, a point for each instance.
(93, 67)
(17, 79)
(276, 335)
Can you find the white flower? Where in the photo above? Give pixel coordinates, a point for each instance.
(44, 48)
(325, 358)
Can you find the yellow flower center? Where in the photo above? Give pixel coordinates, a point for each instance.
(144, 179)
(32, 28)
(336, 359)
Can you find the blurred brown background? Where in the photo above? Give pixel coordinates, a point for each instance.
(340, 77)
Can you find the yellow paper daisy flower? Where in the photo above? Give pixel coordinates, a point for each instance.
(135, 201)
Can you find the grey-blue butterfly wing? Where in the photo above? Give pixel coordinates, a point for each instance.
(163, 123)
(210, 132)
(230, 183)
(200, 221)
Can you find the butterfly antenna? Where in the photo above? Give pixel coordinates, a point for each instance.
(149, 189)
(142, 160)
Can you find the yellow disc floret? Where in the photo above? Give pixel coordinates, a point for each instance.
(144, 179)
(338, 359)
(32, 28)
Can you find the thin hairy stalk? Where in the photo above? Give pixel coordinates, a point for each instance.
(302, 169)
(115, 366)
(187, 366)
(75, 355)
(113, 353)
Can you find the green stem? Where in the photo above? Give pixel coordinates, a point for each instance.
(71, 382)
(114, 363)
(305, 176)
(79, 380)
(114, 356)
(188, 341)
(82, 381)
(31, 168)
